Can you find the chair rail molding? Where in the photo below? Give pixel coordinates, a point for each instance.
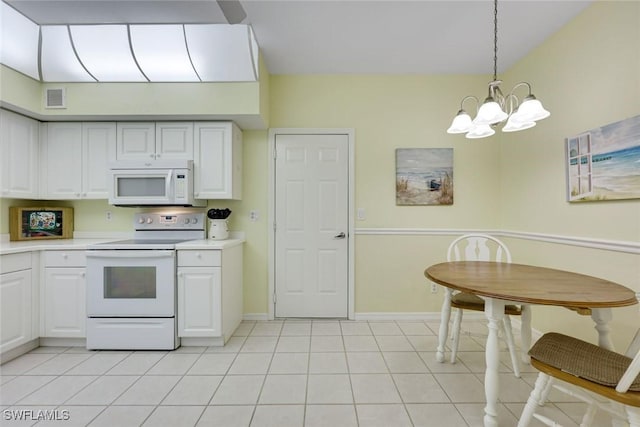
(585, 242)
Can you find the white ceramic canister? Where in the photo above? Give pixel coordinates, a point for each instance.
(218, 229)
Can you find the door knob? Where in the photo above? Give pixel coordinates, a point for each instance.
(340, 235)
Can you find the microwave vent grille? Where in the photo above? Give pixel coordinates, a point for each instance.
(55, 98)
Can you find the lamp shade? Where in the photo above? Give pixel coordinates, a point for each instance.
(489, 113)
(480, 131)
(531, 110)
(461, 123)
(514, 126)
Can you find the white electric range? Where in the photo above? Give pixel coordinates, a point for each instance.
(131, 284)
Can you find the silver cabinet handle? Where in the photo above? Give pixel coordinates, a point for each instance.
(340, 235)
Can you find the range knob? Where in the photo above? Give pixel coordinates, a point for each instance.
(187, 220)
(140, 220)
(149, 220)
(194, 220)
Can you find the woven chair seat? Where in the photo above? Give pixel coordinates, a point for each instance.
(469, 301)
(582, 359)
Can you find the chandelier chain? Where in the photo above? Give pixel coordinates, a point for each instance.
(495, 40)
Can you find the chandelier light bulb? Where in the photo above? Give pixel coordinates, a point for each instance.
(480, 131)
(531, 110)
(489, 113)
(514, 126)
(461, 123)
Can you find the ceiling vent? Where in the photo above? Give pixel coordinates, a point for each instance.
(55, 98)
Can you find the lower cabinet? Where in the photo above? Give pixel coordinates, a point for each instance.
(64, 295)
(209, 295)
(16, 304)
(65, 313)
(199, 302)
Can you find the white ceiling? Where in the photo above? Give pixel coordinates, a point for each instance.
(350, 36)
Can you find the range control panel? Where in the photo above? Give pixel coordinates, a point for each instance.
(169, 221)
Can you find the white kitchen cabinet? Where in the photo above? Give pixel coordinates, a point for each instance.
(209, 295)
(199, 302)
(174, 140)
(155, 141)
(136, 141)
(217, 160)
(98, 146)
(75, 160)
(19, 156)
(64, 312)
(16, 302)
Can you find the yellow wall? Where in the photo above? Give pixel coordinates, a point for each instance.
(588, 75)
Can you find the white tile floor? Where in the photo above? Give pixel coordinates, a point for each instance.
(279, 373)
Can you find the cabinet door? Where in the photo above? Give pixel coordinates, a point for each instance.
(217, 161)
(19, 154)
(98, 148)
(15, 309)
(174, 140)
(136, 141)
(62, 161)
(199, 308)
(65, 313)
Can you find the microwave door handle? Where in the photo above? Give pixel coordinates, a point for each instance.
(168, 185)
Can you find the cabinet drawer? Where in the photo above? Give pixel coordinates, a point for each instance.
(65, 259)
(206, 258)
(15, 262)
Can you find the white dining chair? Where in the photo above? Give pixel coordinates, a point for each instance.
(603, 379)
(478, 247)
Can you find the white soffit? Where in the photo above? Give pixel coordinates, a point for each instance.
(161, 52)
(128, 52)
(19, 42)
(59, 62)
(105, 52)
(223, 52)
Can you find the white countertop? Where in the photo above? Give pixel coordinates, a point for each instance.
(43, 245)
(81, 244)
(209, 244)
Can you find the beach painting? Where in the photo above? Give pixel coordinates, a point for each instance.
(424, 176)
(604, 163)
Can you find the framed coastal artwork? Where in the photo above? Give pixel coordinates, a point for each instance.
(604, 163)
(424, 176)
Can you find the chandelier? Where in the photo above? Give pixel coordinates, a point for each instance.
(521, 115)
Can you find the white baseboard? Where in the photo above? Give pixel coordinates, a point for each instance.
(255, 316)
(422, 316)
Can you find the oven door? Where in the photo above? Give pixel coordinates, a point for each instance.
(131, 283)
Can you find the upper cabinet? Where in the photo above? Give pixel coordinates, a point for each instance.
(74, 158)
(19, 144)
(217, 160)
(155, 141)
(70, 160)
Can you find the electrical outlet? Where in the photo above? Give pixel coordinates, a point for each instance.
(108, 216)
(253, 216)
(434, 288)
(361, 214)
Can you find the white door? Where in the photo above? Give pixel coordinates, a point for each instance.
(311, 225)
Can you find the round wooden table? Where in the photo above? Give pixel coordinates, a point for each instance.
(502, 283)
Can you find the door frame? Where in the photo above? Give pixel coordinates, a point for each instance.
(350, 132)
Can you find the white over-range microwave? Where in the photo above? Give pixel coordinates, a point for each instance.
(152, 183)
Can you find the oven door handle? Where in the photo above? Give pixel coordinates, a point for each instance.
(130, 254)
